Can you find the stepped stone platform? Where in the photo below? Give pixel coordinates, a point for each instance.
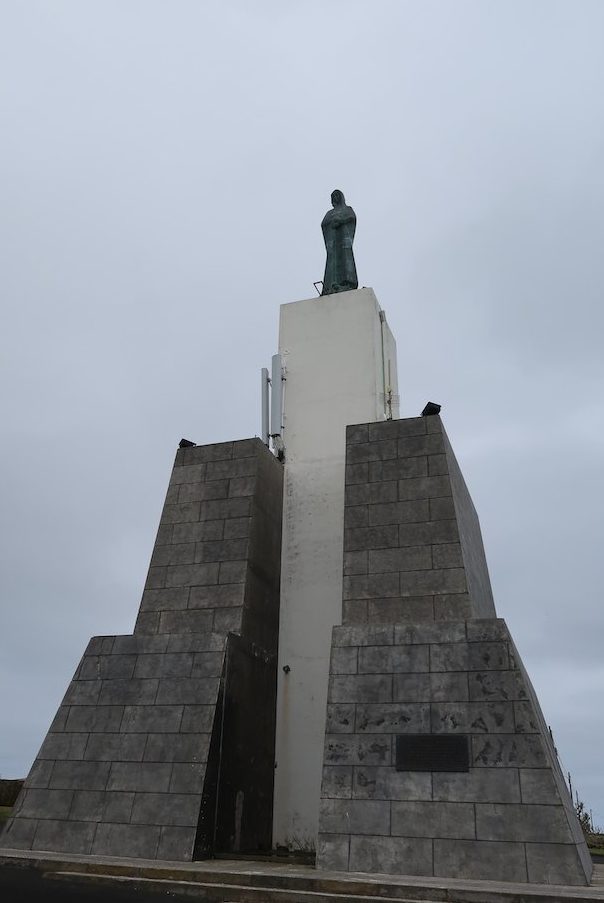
(246, 881)
(437, 758)
(163, 746)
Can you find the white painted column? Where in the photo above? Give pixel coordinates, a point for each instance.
(339, 356)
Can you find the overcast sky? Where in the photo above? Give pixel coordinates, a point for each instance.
(165, 169)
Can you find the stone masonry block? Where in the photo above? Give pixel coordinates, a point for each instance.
(444, 580)
(479, 785)
(192, 574)
(509, 750)
(382, 783)
(19, 833)
(397, 609)
(481, 861)
(176, 844)
(204, 531)
(390, 855)
(125, 692)
(134, 841)
(363, 452)
(452, 632)
(197, 622)
(112, 747)
(64, 836)
(187, 777)
(371, 586)
(233, 571)
(436, 532)
(397, 469)
(177, 748)
(340, 718)
(356, 473)
(449, 686)
(363, 636)
(197, 719)
(433, 819)
(355, 563)
(39, 775)
(179, 809)
(170, 599)
(187, 691)
(348, 816)
(532, 823)
(165, 664)
(472, 717)
(189, 473)
(395, 718)
(448, 555)
(87, 805)
(437, 465)
(63, 746)
(497, 685)
(94, 718)
(452, 607)
(356, 516)
(356, 433)
(139, 776)
(410, 558)
(397, 429)
(337, 782)
(420, 445)
(537, 785)
(342, 749)
(46, 804)
(412, 687)
(201, 492)
(118, 806)
(79, 775)
(423, 488)
(469, 656)
(371, 493)
(553, 864)
(388, 660)
(332, 852)
(360, 688)
(234, 528)
(397, 513)
(364, 538)
(344, 660)
(354, 611)
(223, 596)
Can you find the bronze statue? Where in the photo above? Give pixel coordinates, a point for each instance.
(338, 228)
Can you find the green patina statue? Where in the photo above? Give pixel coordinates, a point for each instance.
(338, 228)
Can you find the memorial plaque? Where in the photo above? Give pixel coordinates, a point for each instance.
(432, 752)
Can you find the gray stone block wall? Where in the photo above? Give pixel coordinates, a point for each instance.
(122, 771)
(412, 543)
(421, 652)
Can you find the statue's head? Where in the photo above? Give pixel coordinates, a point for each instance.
(337, 198)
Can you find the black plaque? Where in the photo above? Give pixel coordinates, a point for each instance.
(432, 752)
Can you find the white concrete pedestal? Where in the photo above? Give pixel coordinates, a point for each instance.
(340, 360)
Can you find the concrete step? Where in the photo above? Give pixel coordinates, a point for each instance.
(247, 881)
(221, 892)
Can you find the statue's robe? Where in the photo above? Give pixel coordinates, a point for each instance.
(338, 227)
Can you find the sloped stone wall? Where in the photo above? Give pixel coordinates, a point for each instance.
(417, 661)
(123, 768)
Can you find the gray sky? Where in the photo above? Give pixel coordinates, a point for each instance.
(165, 168)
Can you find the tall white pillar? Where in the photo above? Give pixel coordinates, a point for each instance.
(340, 367)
